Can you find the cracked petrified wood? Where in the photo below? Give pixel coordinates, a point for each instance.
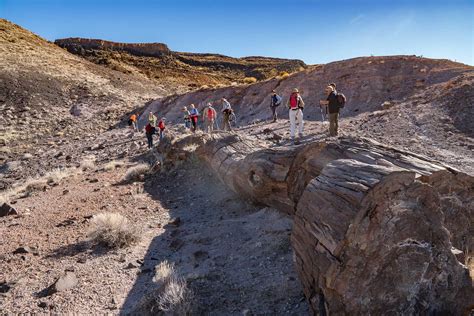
(377, 230)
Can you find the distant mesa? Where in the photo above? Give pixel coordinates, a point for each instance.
(75, 45)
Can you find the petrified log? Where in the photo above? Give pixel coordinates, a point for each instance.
(375, 228)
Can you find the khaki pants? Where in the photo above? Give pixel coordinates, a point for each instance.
(333, 123)
(210, 125)
(296, 115)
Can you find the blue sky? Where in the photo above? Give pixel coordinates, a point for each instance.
(312, 30)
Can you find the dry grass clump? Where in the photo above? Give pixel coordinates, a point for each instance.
(283, 75)
(112, 165)
(87, 164)
(31, 185)
(113, 230)
(250, 80)
(173, 296)
(57, 175)
(134, 172)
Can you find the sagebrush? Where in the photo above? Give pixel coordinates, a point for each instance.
(134, 172)
(173, 295)
(113, 230)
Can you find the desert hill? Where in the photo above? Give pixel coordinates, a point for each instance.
(49, 96)
(367, 82)
(428, 103)
(186, 70)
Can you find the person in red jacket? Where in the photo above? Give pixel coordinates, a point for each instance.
(149, 131)
(161, 126)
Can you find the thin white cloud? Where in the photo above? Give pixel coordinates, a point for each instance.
(357, 18)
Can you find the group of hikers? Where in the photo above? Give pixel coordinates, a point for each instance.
(151, 128)
(208, 116)
(331, 107)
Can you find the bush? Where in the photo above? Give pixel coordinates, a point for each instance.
(283, 75)
(113, 230)
(134, 172)
(112, 165)
(250, 80)
(173, 296)
(87, 164)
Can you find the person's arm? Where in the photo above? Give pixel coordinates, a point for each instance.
(301, 102)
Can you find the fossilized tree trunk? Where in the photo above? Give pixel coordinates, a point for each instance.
(374, 226)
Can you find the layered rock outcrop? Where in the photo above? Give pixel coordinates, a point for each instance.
(377, 230)
(75, 45)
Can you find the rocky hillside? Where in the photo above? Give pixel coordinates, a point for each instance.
(367, 82)
(50, 97)
(186, 70)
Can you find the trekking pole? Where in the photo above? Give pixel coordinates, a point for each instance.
(322, 113)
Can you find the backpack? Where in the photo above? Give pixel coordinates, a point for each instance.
(341, 100)
(210, 113)
(276, 100)
(293, 101)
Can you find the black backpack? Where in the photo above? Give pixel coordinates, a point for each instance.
(341, 100)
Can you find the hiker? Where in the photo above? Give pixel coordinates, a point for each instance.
(150, 130)
(275, 102)
(296, 106)
(193, 115)
(133, 121)
(161, 127)
(187, 118)
(227, 111)
(209, 116)
(333, 105)
(152, 119)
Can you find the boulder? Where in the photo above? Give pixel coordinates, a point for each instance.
(6, 210)
(65, 282)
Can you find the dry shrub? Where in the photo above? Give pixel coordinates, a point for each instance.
(113, 230)
(57, 175)
(134, 172)
(173, 296)
(112, 165)
(33, 185)
(283, 75)
(250, 80)
(87, 164)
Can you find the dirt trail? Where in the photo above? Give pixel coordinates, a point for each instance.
(235, 256)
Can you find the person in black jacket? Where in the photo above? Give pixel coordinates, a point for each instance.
(275, 102)
(333, 108)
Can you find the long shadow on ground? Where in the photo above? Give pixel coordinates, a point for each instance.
(235, 256)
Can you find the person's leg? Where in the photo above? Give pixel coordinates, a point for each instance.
(336, 124)
(292, 115)
(274, 115)
(331, 124)
(300, 123)
(149, 140)
(226, 121)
